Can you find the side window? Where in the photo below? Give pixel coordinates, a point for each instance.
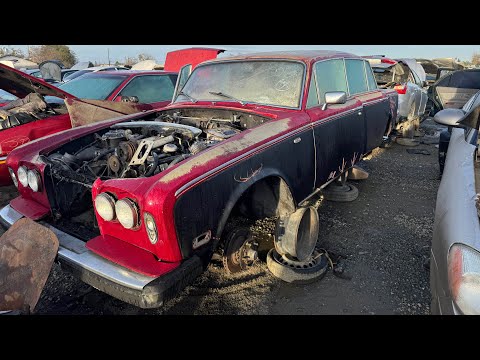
(371, 82)
(312, 99)
(151, 88)
(330, 76)
(185, 72)
(355, 76)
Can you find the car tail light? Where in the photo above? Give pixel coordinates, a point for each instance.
(388, 61)
(464, 278)
(401, 89)
(34, 180)
(127, 213)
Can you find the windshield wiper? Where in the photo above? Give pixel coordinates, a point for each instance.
(193, 100)
(219, 93)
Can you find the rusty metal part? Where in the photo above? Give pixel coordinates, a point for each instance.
(197, 146)
(84, 111)
(114, 163)
(27, 252)
(126, 150)
(357, 173)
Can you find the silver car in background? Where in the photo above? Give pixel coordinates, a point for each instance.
(455, 251)
(408, 78)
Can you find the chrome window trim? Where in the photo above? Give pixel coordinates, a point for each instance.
(135, 77)
(302, 86)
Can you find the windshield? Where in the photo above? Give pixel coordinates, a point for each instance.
(277, 83)
(95, 86)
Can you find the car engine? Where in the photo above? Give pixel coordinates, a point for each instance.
(133, 150)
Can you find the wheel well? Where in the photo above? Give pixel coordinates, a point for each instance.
(268, 197)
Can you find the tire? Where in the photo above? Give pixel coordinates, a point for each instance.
(237, 243)
(332, 194)
(296, 275)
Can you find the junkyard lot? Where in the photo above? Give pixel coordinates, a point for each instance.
(383, 239)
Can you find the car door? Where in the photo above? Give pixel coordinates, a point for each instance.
(454, 90)
(153, 91)
(376, 109)
(339, 130)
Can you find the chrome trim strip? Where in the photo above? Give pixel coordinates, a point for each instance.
(278, 139)
(74, 252)
(9, 216)
(373, 102)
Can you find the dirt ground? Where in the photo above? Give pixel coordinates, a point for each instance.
(382, 240)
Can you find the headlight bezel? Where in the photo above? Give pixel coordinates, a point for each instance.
(111, 201)
(13, 176)
(34, 180)
(131, 208)
(22, 173)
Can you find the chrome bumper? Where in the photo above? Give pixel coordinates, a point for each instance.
(106, 276)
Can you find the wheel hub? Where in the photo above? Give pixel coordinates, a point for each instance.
(311, 261)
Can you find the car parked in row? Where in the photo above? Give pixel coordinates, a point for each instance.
(453, 90)
(407, 78)
(33, 117)
(455, 251)
(135, 200)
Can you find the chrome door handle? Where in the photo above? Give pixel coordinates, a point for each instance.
(360, 113)
(297, 140)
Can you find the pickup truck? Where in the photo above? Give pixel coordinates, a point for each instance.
(140, 203)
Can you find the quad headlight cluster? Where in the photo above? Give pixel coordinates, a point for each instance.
(126, 211)
(28, 178)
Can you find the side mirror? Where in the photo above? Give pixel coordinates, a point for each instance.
(449, 117)
(334, 97)
(133, 99)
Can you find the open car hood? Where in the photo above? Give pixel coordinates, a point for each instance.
(18, 83)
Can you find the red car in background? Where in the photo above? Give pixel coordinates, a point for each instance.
(89, 98)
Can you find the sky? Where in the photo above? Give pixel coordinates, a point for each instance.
(99, 53)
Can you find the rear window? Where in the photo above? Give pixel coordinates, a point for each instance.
(462, 80)
(95, 86)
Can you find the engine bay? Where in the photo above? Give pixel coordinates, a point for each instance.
(135, 149)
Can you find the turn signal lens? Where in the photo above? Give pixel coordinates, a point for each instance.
(464, 278)
(151, 227)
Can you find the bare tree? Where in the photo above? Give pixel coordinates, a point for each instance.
(476, 58)
(7, 50)
(63, 53)
(145, 56)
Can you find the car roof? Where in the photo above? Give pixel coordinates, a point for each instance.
(131, 72)
(301, 55)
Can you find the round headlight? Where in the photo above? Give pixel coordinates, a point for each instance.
(22, 175)
(151, 227)
(34, 180)
(105, 206)
(14, 178)
(127, 213)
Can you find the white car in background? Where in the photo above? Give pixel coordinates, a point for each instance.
(408, 78)
(92, 69)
